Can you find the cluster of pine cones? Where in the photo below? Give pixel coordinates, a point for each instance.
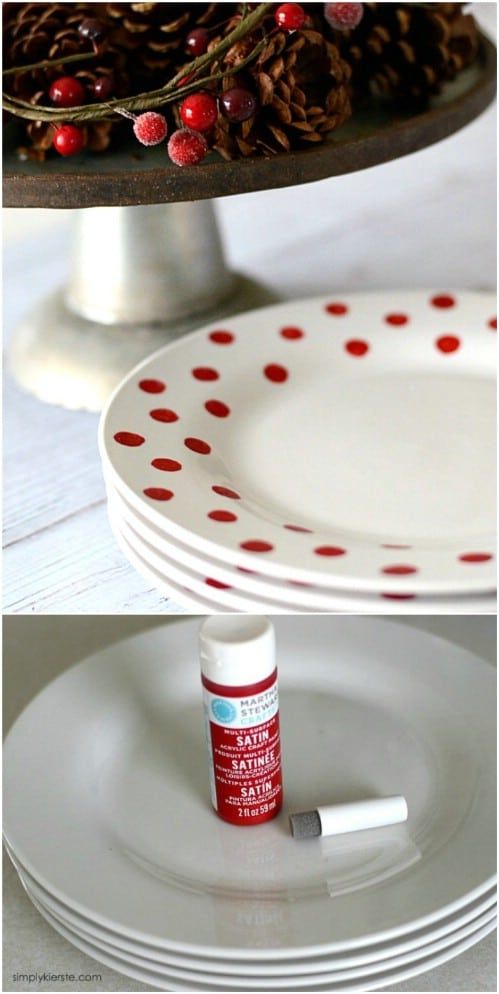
(304, 81)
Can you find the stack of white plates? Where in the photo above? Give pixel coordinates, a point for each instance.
(108, 819)
(321, 455)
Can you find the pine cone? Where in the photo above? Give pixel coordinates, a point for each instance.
(144, 46)
(407, 51)
(302, 89)
(36, 31)
(153, 35)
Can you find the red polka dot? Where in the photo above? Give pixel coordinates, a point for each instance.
(152, 386)
(217, 584)
(129, 438)
(493, 324)
(217, 408)
(275, 373)
(388, 545)
(399, 597)
(337, 309)
(226, 492)
(357, 347)
(448, 343)
(329, 550)
(396, 319)
(292, 334)
(399, 570)
(205, 373)
(256, 545)
(197, 445)
(298, 528)
(167, 465)
(158, 493)
(242, 569)
(299, 583)
(222, 337)
(476, 557)
(225, 516)
(163, 414)
(443, 301)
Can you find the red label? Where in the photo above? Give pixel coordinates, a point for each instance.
(247, 770)
(245, 751)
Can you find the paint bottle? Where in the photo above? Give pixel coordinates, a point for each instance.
(241, 708)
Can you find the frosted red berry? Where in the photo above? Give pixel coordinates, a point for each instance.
(67, 91)
(290, 16)
(238, 104)
(343, 16)
(187, 148)
(199, 111)
(68, 140)
(197, 42)
(150, 128)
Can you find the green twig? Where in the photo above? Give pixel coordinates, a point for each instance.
(47, 64)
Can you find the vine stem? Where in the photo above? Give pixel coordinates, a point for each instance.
(47, 64)
(154, 98)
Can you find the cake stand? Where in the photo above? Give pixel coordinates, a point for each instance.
(148, 262)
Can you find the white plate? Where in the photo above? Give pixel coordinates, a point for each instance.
(289, 982)
(205, 982)
(386, 459)
(186, 598)
(237, 600)
(181, 593)
(405, 950)
(168, 556)
(109, 760)
(233, 599)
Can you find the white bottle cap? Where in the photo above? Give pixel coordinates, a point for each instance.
(237, 651)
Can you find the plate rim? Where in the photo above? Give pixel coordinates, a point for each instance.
(487, 905)
(247, 585)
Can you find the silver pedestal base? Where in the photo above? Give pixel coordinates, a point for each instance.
(139, 277)
(65, 359)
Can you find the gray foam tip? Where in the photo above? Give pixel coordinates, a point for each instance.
(305, 825)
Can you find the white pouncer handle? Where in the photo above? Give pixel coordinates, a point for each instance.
(337, 819)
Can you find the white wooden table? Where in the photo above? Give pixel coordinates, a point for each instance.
(426, 220)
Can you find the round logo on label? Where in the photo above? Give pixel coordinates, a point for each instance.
(223, 711)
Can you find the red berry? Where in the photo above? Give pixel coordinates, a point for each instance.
(343, 16)
(187, 148)
(197, 42)
(68, 140)
(238, 104)
(93, 29)
(290, 16)
(67, 92)
(199, 111)
(150, 128)
(103, 87)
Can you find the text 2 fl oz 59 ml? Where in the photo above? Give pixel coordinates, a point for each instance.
(241, 709)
